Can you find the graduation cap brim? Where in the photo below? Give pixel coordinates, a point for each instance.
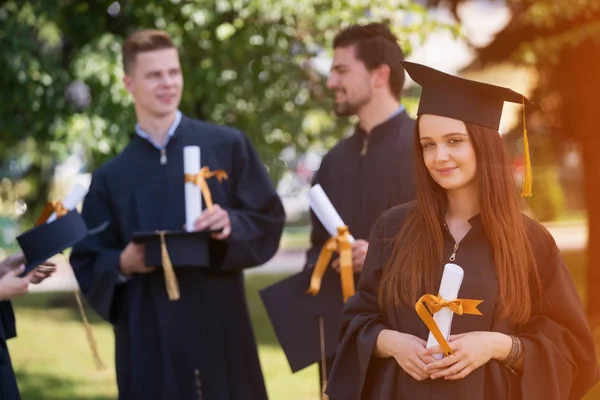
(459, 98)
(295, 315)
(186, 249)
(48, 239)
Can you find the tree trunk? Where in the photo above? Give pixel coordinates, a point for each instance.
(580, 86)
(591, 161)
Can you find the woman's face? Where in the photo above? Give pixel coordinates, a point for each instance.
(447, 151)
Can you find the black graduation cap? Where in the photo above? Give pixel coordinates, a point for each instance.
(48, 239)
(186, 249)
(463, 99)
(295, 316)
(466, 100)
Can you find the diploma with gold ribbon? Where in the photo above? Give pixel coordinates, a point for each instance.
(196, 186)
(437, 311)
(199, 180)
(56, 209)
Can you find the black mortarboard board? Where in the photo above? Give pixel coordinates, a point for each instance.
(48, 239)
(295, 314)
(470, 101)
(458, 98)
(186, 249)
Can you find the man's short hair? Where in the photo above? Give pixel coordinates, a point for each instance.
(142, 41)
(375, 45)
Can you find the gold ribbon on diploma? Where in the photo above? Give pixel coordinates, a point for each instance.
(199, 180)
(170, 278)
(436, 303)
(52, 207)
(339, 243)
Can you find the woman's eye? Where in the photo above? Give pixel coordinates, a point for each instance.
(425, 145)
(454, 140)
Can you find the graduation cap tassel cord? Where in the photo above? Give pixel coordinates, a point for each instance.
(527, 172)
(89, 333)
(340, 243)
(323, 359)
(170, 278)
(434, 304)
(199, 180)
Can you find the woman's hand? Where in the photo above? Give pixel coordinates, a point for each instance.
(43, 272)
(471, 351)
(408, 350)
(12, 286)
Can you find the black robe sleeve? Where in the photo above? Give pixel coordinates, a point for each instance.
(257, 215)
(360, 325)
(95, 260)
(560, 360)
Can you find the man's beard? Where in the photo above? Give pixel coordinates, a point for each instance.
(346, 108)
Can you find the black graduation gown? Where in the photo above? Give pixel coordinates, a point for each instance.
(365, 175)
(8, 382)
(560, 361)
(161, 343)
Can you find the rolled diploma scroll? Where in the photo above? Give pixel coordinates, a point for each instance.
(72, 200)
(324, 210)
(449, 287)
(193, 196)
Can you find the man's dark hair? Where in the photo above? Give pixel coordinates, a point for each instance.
(375, 45)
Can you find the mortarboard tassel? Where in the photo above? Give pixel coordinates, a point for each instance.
(90, 334)
(526, 191)
(170, 278)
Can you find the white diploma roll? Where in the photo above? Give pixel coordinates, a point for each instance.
(193, 196)
(72, 200)
(451, 280)
(324, 210)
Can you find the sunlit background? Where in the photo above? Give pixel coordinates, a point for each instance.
(261, 66)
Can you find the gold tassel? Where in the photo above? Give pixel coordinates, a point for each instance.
(90, 334)
(88, 329)
(526, 191)
(170, 278)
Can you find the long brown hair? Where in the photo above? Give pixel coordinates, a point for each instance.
(417, 255)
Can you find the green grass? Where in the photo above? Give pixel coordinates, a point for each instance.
(53, 361)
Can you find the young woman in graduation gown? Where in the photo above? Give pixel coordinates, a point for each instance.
(11, 286)
(532, 340)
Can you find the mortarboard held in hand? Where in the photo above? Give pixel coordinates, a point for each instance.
(470, 101)
(183, 247)
(305, 325)
(59, 227)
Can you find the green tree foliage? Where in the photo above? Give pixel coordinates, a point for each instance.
(247, 63)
